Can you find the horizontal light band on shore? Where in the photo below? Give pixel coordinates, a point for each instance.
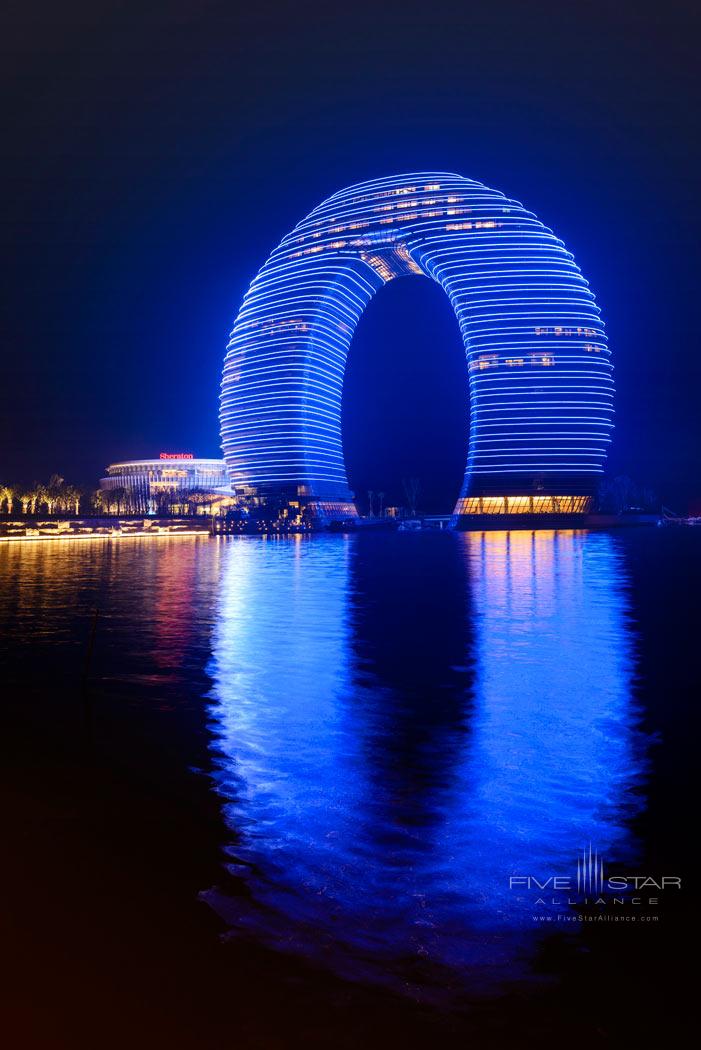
(147, 534)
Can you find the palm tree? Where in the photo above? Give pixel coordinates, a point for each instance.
(33, 493)
(411, 491)
(7, 496)
(40, 495)
(71, 500)
(381, 497)
(53, 493)
(119, 495)
(26, 498)
(371, 496)
(106, 500)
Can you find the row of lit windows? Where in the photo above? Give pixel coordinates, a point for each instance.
(426, 202)
(385, 208)
(161, 471)
(559, 330)
(365, 224)
(492, 361)
(347, 199)
(298, 325)
(167, 477)
(400, 191)
(293, 325)
(524, 505)
(486, 224)
(479, 224)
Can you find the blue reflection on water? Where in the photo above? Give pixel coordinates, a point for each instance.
(401, 723)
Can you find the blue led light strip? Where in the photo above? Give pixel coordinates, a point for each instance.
(540, 375)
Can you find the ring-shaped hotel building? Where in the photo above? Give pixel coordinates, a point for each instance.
(540, 376)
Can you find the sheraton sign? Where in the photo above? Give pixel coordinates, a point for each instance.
(177, 455)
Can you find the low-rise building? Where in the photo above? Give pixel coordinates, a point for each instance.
(175, 482)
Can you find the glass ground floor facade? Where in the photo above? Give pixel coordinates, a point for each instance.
(478, 505)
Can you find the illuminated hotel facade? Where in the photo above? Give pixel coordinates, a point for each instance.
(540, 375)
(147, 484)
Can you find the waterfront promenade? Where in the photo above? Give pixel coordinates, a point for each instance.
(45, 528)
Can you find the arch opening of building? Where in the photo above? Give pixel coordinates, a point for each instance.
(404, 423)
(540, 375)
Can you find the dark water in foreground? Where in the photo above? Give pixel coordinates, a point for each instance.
(285, 804)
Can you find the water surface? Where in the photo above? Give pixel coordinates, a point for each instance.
(342, 749)
(403, 723)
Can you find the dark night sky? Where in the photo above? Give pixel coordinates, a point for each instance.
(153, 155)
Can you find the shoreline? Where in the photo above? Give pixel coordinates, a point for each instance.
(203, 533)
(98, 529)
(104, 536)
